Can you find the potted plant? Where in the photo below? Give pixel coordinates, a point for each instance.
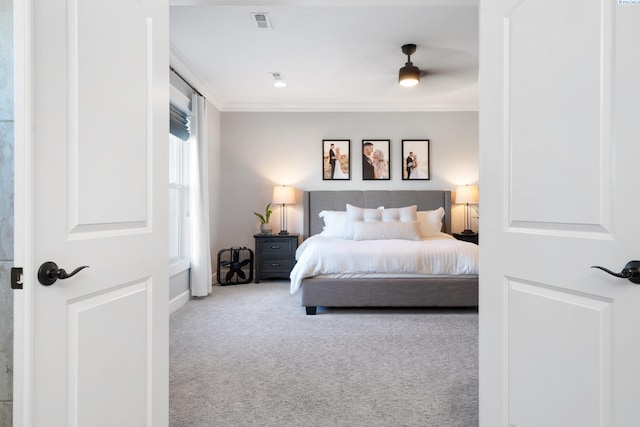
(265, 228)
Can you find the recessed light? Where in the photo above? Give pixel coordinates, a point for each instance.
(279, 79)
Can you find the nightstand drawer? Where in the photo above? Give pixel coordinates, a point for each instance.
(275, 247)
(275, 264)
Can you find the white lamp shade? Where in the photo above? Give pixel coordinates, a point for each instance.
(283, 195)
(467, 194)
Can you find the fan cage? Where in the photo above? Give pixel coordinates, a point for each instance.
(235, 266)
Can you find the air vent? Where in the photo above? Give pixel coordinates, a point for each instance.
(261, 20)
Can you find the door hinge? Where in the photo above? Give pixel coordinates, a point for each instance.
(16, 278)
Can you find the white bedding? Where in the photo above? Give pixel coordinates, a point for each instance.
(439, 255)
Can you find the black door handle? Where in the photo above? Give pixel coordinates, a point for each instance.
(630, 271)
(49, 273)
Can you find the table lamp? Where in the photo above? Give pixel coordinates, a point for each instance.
(467, 194)
(283, 195)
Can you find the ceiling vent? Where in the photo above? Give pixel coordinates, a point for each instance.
(261, 21)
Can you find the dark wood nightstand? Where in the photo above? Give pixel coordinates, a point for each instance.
(275, 255)
(473, 238)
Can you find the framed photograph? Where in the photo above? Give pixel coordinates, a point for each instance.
(415, 159)
(336, 159)
(375, 159)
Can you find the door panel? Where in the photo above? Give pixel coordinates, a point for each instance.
(558, 90)
(101, 139)
(94, 331)
(560, 342)
(558, 345)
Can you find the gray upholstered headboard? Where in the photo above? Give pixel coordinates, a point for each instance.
(316, 201)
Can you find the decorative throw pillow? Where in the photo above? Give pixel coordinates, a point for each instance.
(335, 223)
(355, 213)
(405, 214)
(408, 230)
(430, 222)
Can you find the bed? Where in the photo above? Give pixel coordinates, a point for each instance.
(381, 290)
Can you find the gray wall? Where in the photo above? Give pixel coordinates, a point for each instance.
(261, 150)
(6, 210)
(216, 207)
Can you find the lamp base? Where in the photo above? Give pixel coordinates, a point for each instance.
(283, 232)
(467, 232)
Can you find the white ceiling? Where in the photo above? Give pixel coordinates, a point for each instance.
(340, 55)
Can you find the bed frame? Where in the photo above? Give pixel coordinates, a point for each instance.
(438, 291)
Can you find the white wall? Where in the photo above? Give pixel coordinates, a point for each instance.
(261, 150)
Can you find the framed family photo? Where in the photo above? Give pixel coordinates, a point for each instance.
(415, 159)
(375, 159)
(336, 159)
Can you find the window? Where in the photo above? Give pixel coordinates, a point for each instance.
(178, 199)
(179, 132)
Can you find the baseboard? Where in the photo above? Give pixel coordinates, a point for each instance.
(179, 301)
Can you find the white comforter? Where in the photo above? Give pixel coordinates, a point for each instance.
(442, 255)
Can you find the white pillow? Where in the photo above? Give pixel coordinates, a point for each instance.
(386, 230)
(364, 214)
(335, 223)
(405, 214)
(355, 213)
(430, 222)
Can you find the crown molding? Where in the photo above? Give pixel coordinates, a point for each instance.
(185, 69)
(326, 3)
(345, 107)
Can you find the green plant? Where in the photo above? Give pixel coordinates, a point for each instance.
(267, 214)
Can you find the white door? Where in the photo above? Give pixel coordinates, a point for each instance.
(91, 189)
(559, 151)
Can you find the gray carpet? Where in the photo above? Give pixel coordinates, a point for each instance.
(249, 356)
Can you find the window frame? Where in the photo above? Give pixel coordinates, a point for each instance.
(180, 170)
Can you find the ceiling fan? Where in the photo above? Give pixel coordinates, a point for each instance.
(459, 64)
(409, 75)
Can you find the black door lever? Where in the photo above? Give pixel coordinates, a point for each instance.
(630, 271)
(49, 273)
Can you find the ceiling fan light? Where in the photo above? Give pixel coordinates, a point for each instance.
(409, 75)
(279, 83)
